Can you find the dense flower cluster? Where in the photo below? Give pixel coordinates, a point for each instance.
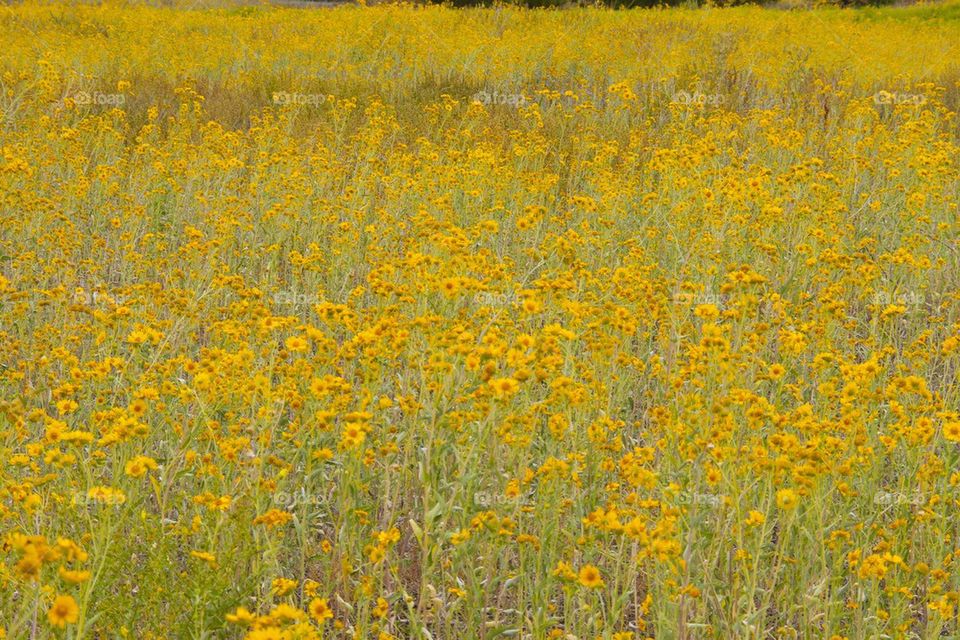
(413, 323)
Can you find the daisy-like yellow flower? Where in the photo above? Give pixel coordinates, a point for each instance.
(273, 518)
(73, 577)
(241, 616)
(589, 576)
(787, 499)
(209, 558)
(138, 466)
(283, 586)
(951, 431)
(63, 611)
(504, 387)
(268, 633)
(320, 610)
(296, 344)
(713, 476)
(382, 608)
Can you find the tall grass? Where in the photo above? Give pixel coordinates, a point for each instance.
(422, 323)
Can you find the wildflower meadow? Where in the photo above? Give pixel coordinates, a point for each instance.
(403, 321)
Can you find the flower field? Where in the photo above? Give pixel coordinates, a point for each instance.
(418, 322)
